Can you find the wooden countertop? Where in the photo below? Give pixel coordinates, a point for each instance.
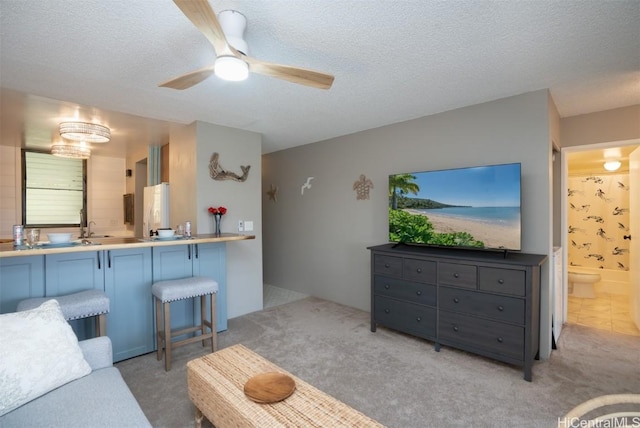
(116, 243)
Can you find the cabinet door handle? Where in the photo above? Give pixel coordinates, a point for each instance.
(109, 259)
(418, 319)
(456, 275)
(501, 281)
(197, 252)
(387, 286)
(501, 308)
(419, 270)
(386, 311)
(456, 300)
(419, 293)
(99, 260)
(189, 251)
(500, 340)
(455, 328)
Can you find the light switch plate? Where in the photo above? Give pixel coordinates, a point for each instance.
(240, 226)
(248, 226)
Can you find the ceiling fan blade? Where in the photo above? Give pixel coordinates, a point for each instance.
(204, 18)
(189, 79)
(297, 75)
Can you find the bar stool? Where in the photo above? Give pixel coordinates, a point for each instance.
(84, 304)
(165, 292)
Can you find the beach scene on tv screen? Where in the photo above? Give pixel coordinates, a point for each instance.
(468, 207)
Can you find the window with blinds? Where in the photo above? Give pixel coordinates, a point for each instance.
(54, 190)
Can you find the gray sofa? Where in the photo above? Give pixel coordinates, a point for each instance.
(100, 399)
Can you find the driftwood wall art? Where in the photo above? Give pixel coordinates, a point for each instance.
(218, 173)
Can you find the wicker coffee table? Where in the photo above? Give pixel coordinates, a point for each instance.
(216, 383)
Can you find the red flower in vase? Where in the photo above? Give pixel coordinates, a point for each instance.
(217, 216)
(219, 210)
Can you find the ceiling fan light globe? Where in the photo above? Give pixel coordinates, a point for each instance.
(231, 68)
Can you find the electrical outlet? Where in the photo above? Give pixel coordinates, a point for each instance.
(240, 226)
(248, 226)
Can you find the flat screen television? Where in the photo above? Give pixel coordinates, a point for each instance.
(476, 207)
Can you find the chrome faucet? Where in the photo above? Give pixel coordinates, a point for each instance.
(82, 224)
(89, 232)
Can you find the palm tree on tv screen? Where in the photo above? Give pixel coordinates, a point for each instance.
(401, 184)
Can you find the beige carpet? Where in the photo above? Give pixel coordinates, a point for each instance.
(397, 379)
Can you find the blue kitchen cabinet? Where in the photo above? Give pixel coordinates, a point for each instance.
(68, 273)
(20, 278)
(181, 261)
(127, 283)
(211, 260)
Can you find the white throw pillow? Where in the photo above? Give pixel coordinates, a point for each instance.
(38, 353)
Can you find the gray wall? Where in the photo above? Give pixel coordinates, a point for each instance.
(193, 192)
(618, 124)
(316, 243)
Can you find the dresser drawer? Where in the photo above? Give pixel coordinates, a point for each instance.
(507, 281)
(458, 275)
(408, 317)
(500, 308)
(415, 292)
(387, 265)
(490, 336)
(419, 271)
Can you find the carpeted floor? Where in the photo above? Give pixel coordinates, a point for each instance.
(397, 379)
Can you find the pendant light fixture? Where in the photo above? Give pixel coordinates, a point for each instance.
(67, 149)
(84, 131)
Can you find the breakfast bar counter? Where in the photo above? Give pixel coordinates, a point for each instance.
(115, 243)
(124, 268)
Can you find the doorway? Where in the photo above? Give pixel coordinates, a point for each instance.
(596, 232)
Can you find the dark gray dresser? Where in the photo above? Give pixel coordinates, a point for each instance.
(483, 302)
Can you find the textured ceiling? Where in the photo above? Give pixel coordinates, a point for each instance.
(392, 61)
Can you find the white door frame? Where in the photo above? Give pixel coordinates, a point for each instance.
(564, 214)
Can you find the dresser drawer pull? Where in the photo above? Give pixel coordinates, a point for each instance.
(501, 308)
(456, 300)
(418, 319)
(419, 293)
(500, 340)
(387, 286)
(455, 328)
(386, 265)
(501, 281)
(386, 311)
(419, 270)
(456, 275)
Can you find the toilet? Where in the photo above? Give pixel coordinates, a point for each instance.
(583, 284)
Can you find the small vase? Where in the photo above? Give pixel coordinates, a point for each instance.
(217, 218)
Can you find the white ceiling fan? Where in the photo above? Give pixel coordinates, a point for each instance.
(232, 63)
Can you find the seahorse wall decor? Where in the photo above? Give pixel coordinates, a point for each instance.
(218, 173)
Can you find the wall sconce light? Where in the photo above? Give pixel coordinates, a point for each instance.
(612, 165)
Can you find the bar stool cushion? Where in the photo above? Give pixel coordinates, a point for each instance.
(183, 288)
(74, 306)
